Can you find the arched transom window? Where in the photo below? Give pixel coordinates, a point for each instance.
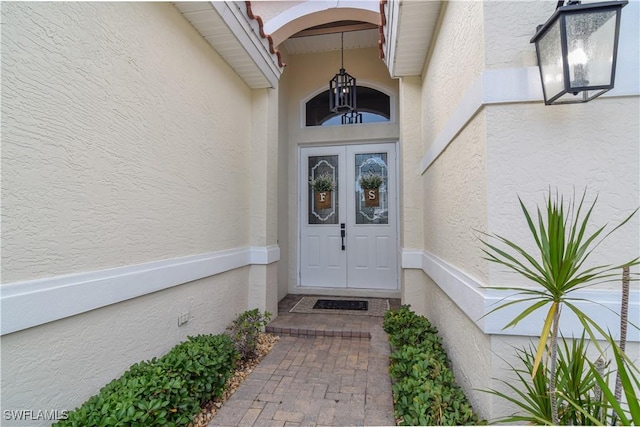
(373, 105)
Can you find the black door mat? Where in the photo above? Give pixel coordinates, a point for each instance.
(375, 306)
(328, 304)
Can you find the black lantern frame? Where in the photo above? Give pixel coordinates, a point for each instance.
(577, 44)
(342, 88)
(352, 117)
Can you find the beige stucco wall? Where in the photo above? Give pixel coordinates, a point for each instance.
(117, 152)
(264, 167)
(454, 187)
(59, 365)
(465, 344)
(499, 152)
(569, 148)
(284, 183)
(411, 200)
(455, 203)
(455, 63)
(508, 27)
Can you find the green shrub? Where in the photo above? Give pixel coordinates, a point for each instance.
(166, 391)
(245, 329)
(406, 328)
(204, 362)
(424, 388)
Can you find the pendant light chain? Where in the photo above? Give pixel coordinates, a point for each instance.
(342, 49)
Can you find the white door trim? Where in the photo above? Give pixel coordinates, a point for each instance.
(301, 212)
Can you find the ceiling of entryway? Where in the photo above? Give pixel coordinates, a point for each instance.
(327, 37)
(402, 30)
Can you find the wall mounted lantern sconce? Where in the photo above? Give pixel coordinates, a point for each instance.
(342, 89)
(577, 49)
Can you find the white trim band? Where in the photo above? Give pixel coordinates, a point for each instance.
(35, 302)
(503, 86)
(475, 300)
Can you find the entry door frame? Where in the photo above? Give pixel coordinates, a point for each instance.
(302, 188)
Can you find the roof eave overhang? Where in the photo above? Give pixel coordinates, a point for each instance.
(409, 28)
(237, 36)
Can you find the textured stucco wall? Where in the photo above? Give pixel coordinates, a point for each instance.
(414, 290)
(116, 147)
(116, 151)
(454, 187)
(455, 63)
(411, 199)
(503, 151)
(57, 366)
(317, 70)
(532, 148)
(263, 288)
(455, 201)
(508, 27)
(284, 182)
(569, 148)
(264, 167)
(467, 346)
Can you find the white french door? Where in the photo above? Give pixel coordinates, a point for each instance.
(350, 242)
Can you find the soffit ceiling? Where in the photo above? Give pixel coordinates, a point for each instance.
(237, 38)
(330, 42)
(408, 33)
(329, 37)
(414, 33)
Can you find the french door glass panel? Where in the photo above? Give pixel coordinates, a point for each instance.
(371, 164)
(327, 166)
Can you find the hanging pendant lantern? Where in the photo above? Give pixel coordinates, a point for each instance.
(342, 88)
(577, 50)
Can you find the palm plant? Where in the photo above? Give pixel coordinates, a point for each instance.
(576, 384)
(610, 410)
(559, 270)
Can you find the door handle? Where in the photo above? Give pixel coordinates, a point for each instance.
(343, 234)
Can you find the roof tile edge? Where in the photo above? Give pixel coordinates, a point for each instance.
(272, 50)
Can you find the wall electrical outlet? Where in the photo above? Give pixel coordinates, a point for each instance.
(183, 318)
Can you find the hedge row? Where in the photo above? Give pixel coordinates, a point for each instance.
(424, 388)
(162, 392)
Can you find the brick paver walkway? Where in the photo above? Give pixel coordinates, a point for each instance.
(309, 380)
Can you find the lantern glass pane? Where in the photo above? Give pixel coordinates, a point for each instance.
(550, 58)
(590, 44)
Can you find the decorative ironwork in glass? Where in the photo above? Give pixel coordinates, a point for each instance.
(352, 117)
(323, 166)
(369, 164)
